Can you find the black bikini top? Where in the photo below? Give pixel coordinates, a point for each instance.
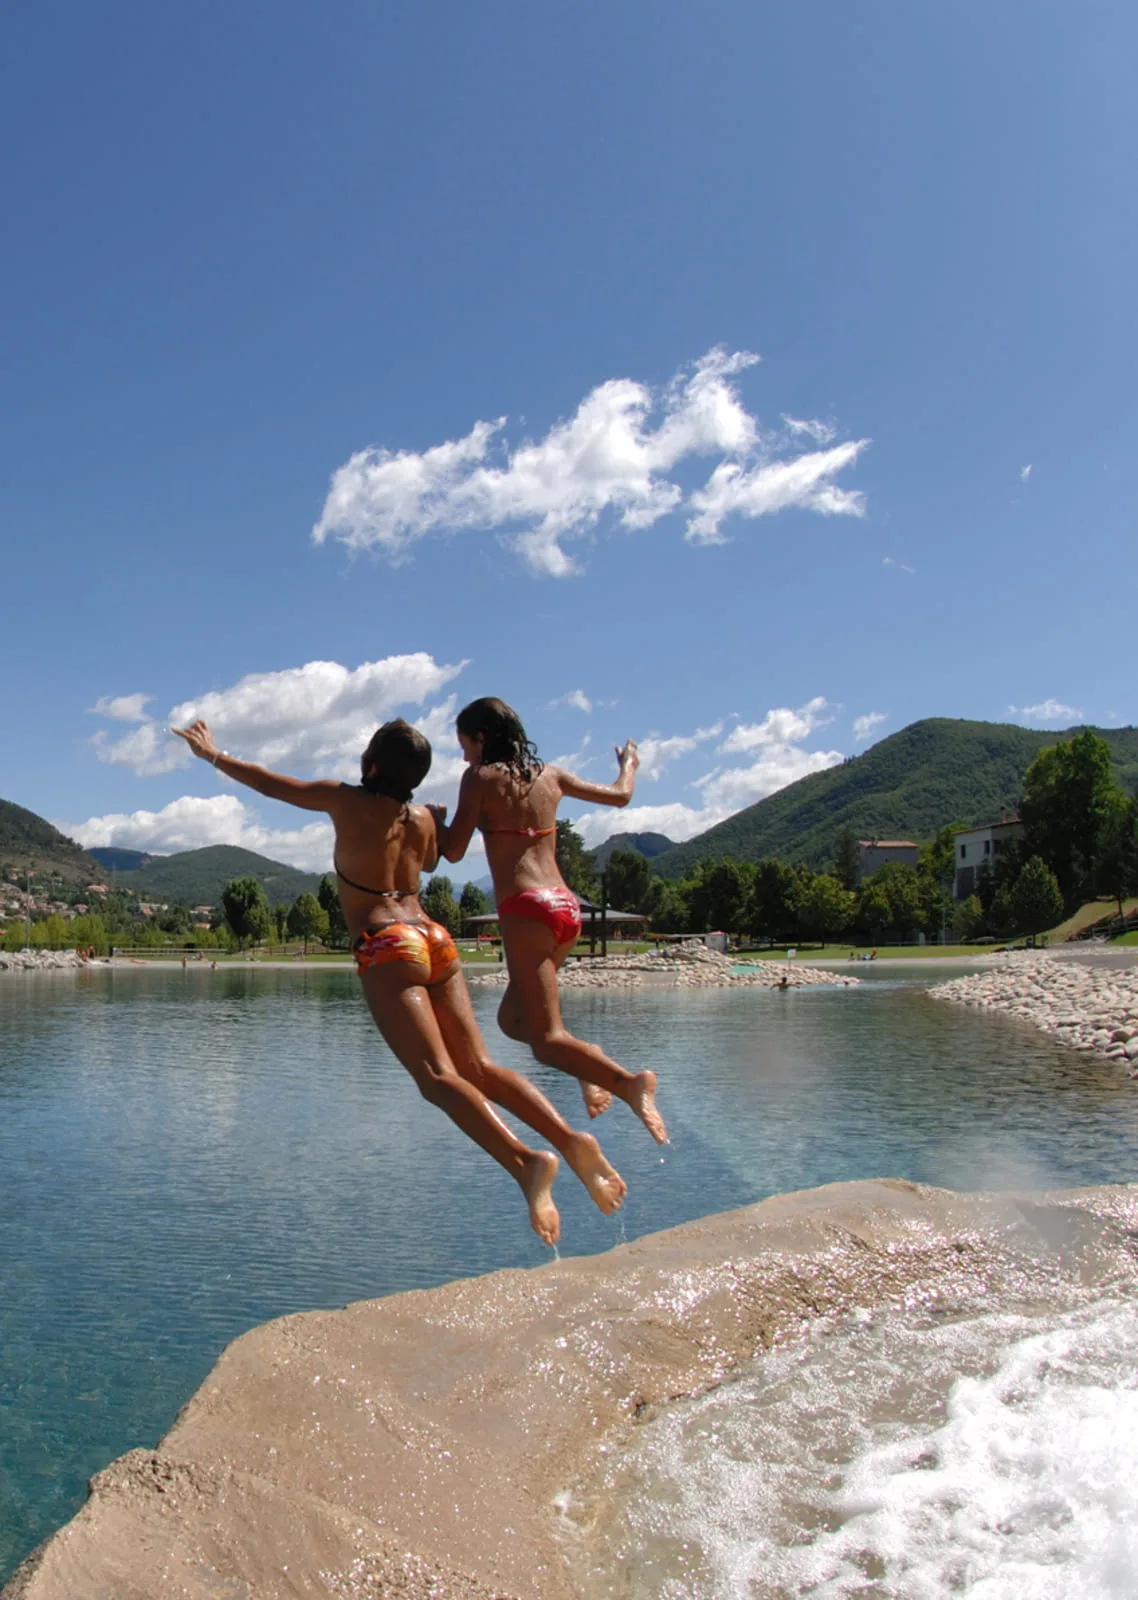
(380, 894)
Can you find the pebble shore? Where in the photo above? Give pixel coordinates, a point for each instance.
(1088, 1008)
(679, 966)
(37, 960)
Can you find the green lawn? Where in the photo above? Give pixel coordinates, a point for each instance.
(839, 952)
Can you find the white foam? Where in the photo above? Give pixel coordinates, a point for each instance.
(994, 1457)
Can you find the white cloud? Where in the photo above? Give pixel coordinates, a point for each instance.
(316, 718)
(656, 754)
(577, 760)
(193, 822)
(607, 458)
(1025, 473)
(725, 789)
(902, 566)
(1047, 711)
(122, 707)
(575, 700)
(863, 726)
(779, 727)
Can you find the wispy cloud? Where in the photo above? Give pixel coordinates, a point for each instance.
(1025, 473)
(1047, 711)
(121, 707)
(575, 700)
(193, 822)
(775, 743)
(656, 754)
(863, 726)
(612, 457)
(902, 566)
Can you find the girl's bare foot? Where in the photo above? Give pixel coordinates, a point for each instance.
(536, 1180)
(604, 1182)
(640, 1094)
(596, 1099)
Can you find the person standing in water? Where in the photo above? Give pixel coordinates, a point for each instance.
(408, 965)
(512, 797)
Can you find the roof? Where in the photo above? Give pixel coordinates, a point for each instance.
(889, 844)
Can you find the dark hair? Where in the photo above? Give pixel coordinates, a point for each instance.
(504, 741)
(401, 757)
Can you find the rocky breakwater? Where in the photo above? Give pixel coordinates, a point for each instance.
(38, 960)
(690, 965)
(1090, 1008)
(425, 1446)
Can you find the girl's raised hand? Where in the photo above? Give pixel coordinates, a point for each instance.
(199, 739)
(629, 756)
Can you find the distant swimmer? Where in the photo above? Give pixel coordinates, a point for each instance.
(512, 797)
(409, 967)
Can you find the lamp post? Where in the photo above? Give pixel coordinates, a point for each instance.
(28, 907)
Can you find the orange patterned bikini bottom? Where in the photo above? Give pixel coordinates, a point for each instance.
(424, 945)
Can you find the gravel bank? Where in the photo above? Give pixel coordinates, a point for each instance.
(681, 966)
(1089, 1008)
(37, 960)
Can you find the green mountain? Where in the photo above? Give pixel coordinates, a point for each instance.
(27, 840)
(644, 844)
(197, 877)
(116, 859)
(933, 772)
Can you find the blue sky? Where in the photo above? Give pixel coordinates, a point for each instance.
(470, 291)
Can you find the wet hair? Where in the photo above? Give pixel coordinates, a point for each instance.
(504, 741)
(401, 757)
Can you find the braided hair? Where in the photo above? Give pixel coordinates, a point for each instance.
(504, 741)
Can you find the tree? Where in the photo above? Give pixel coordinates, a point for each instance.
(667, 907)
(891, 901)
(1069, 794)
(246, 909)
(307, 919)
(329, 897)
(825, 908)
(772, 910)
(176, 919)
(575, 863)
(474, 902)
(968, 918)
(628, 880)
(719, 895)
(439, 903)
(847, 859)
(1116, 869)
(1035, 902)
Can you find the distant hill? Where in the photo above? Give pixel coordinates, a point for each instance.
(644, 844)
(28, 840)
(113, 859)
(933, 772)
(197, 877)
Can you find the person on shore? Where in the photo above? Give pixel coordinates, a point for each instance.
(409, 967)
(512, 797)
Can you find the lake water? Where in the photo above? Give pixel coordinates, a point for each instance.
(184, 1155)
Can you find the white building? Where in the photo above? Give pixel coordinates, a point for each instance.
(975, 846)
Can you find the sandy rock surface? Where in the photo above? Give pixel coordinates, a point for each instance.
(419, 1446)
(679, 966)
(1090, 1008)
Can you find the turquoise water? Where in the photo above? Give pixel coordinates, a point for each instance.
(185, 1155)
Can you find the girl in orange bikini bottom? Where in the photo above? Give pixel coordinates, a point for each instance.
(427, 946)
(556, 908)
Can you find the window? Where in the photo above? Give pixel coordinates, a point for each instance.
(987, 847)
(963, 851)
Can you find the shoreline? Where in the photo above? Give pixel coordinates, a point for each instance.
(430, 1444)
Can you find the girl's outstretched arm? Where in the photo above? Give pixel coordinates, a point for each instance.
(605, 794)
(320, 795)
(455, 837)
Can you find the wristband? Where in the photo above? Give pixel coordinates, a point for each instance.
(216, 757)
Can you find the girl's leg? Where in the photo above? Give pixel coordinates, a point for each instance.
(511, 1020)
(532, 955)
(405, 1017)
(467, 1049)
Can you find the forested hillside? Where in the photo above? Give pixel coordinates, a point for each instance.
(27, 840)
(933, 772)
(197, 877)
